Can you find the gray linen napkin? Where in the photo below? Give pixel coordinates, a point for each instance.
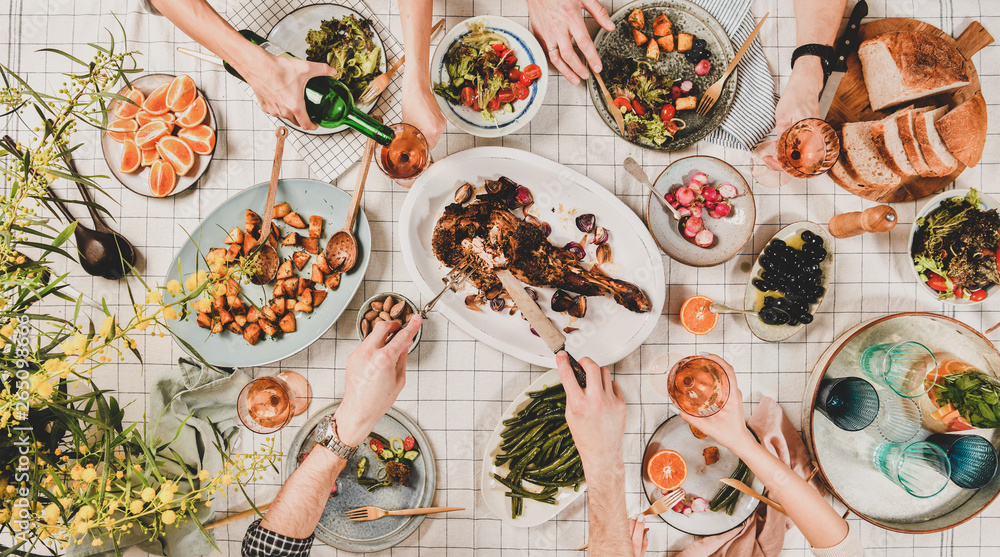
(752, 115)
(206, 398)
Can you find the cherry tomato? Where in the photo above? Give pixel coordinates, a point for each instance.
(475, 106)
(499, 47)
(623, 104)
(638, 108)
(667, 112)
(494, 103)
(998, 259)
(510, 60)
(531, 72)
(409, 443)
(978, 295)
(469, 95)
(506, 95)
(514, 74)
(937, 282)
(520, 91)
(670, 127)
(959, 293)
(376, 446)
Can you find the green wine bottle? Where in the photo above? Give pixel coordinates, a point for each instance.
(328, 101)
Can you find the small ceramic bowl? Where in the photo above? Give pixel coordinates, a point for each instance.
(987, 204)
(367, 306)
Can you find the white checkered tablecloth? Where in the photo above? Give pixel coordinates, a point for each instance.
(457, 388)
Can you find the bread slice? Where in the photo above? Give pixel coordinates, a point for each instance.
(863, 160)
(908, 135)
(964, 128)
(937, 155)
(885, 137)
(903, 66)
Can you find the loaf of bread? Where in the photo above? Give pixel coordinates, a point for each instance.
(904, 66)
(885, 136)
(862, 160)
(963, 128)
(937, 155)
(908, 136)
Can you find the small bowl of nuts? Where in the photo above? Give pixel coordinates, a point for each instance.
(386, 306)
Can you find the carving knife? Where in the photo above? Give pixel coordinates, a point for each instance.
(553, 337)
(846, 45)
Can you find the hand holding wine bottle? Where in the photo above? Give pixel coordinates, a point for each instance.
(278, 82)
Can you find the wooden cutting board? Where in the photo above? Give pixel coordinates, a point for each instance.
(851, 103)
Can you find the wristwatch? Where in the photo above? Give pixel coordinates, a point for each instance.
(326, 434)
(825, 53)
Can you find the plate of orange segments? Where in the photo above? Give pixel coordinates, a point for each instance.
(161, 142)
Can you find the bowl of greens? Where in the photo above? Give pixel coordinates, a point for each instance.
(338, 36)
(955, 247)
(489, 76)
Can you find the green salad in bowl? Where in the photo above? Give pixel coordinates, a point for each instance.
(347, 45)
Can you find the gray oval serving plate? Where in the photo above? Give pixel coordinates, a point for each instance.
(374, 535)
(686, 17)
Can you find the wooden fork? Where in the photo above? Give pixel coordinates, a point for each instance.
(379, 84)
(709, 97)
(374, 513)
(660, 506)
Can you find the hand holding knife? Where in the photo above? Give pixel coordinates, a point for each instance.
(846, 45)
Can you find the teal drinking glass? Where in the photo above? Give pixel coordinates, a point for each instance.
(851, 403)
(973, 459)
(921, 468)
(903, 367)
(898, 417)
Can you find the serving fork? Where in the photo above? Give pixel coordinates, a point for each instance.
(709, 97)
(452, 281)
(660, 506)
(374, 513)
(379, 84)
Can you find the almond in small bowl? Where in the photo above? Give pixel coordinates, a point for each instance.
(386, 306)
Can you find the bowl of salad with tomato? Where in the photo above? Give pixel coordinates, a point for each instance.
(489, 76)
(955, 247)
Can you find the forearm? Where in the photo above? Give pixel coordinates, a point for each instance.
(299, 504)
(415, 17)
(815, 518)
(198, 20)
(815, 22)
(609, 534)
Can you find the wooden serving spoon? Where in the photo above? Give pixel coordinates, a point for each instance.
(342, 248)
(267, 258)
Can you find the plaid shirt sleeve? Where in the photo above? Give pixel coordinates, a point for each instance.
(261, 542)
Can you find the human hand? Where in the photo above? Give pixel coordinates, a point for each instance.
(421, 110)
(557, 23)
(279, 83)
(375, 374)
(800, 99)
(728, 425)
(595, 415)
(637, 526)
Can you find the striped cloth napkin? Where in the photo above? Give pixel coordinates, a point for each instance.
(328, 156)
(752, 115)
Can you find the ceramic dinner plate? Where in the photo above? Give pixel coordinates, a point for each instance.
(138, 181)
(376, 535)
(307, 197)
(932, 205)
(702, 479)
(290, 34)
(527, 50)
(609, 332)
(686, 17)
(731, 233)
(754, 299)
(535, 512)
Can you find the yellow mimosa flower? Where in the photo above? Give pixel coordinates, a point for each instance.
(166, 495)
(52, 514)
(107, 327)
(153, 297)
(174, 287)
(203, 475)
(135, 507)
(86, 513)
(168, 517)
(148, 494)
(169, 312)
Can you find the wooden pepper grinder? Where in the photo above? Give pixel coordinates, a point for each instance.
(880, 218)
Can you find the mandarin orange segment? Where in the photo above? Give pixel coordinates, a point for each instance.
(667, 470)
(697, 316)
(130, 157)
(181, 93)
(143, 118)
(156, 102)
(162, 179)
(194, 114)
(119, 130)
(128, 110)
(177, 153)
(200, 138)
(148, 135)
(148, 156)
